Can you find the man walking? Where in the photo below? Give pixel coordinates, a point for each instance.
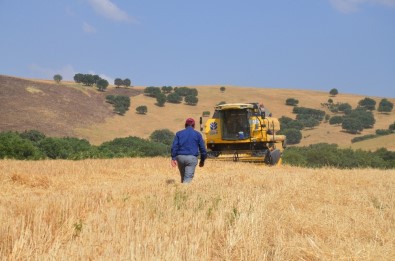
(185, 151)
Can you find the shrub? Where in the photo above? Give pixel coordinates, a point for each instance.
(13, 146)
(291, 102)
(132, 147)
(222, 89)
(294, 136)
(32, 135)
(191, 100)
(164, 136)
(64, 148)
(160, 99)
(206, 114)
(141, 109)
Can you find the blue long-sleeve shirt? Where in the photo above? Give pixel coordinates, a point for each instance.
(188, 142)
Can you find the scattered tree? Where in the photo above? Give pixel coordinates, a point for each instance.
(161, 99)
(222, 89)
(333, 92)
(191, 100)
(57, 78)
(167, 89)
(127, 82)
(152, 91)
(367, 104)
(344, 107)
(174, 98)
(385, 106)
(102, 85)
(336, 120)
(118, 82)
(352, 125)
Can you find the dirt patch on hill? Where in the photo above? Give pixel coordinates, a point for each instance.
(54, 109)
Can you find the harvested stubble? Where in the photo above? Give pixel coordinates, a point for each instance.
(136, 209)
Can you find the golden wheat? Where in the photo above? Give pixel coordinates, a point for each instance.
(136, 209)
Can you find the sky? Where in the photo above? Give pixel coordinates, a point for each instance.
(306, 44)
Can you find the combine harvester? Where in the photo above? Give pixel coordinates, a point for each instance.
(242, 132)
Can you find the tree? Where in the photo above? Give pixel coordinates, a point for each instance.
(174, 98)
(293, 135)
(333, 92)
(385, 106)
(142, 109)
(57, 78)
(152, 91)
(344, 107)
(127, 82)
(392, 126)
(167, 89)
(164, 136)
(160, 99)
(191, 100)
(121, 103)
(32, 135)
(366, 118)
(352, 125)
(78, 77)
(367, 104)
(336, 120)
(102, 84)
(118, 82)
(13, 146)
(291, 102)
(222, 89)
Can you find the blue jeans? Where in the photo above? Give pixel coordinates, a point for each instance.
(186, 165)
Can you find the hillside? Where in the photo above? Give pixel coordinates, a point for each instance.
(54, 109)
(70, 109)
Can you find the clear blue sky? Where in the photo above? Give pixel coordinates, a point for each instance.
(304, 44)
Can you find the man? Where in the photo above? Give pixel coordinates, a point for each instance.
(185, 151)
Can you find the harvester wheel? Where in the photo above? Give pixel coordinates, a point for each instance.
(272, 157)
(275, 156)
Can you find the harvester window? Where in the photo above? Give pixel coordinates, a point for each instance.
(235, 124)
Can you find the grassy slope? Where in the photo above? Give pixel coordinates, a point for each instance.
(172, 116)
(386, 141)
(91, 118)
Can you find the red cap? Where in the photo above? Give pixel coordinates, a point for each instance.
(190, 122)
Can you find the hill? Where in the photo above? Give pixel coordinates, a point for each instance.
(71, 109)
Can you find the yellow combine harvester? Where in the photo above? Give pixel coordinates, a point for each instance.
(242, 132)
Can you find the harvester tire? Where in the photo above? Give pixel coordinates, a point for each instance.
(275, 156)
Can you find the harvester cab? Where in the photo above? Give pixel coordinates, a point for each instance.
(243, 132)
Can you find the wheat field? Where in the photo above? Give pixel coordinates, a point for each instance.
(136, 209)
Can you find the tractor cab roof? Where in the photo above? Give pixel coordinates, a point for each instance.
(232, 106)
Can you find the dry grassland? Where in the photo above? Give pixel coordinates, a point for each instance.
(136, 209)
